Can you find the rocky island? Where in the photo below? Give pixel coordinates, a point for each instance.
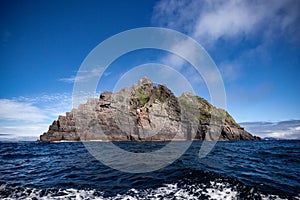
(146, 112)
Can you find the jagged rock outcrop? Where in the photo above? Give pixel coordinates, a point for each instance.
(146, 112)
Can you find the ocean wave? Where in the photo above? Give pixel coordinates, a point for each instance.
(68, 171)
(214, 190)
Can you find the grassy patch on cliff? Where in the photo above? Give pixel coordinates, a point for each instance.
(206, 110)
(142, 99)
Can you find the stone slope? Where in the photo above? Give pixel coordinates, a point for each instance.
(145, 112)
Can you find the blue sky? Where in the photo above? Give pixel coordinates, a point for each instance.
(255, 45)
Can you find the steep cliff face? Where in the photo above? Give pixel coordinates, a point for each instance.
(145, 112)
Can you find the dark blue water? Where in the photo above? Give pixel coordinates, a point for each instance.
(233, 170)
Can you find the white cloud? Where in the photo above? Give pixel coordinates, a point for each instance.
(230, 70)
(107, 73)
(31, 116)
(173, 61)
(192, 56)
(49, 104)
(208, 21)
(228, 19)
(13, 110)
(284, 129)
(83, 76)
(21, 130)
(71, 79)
(231, 21)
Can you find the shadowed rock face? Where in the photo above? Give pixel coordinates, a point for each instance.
(146, 112)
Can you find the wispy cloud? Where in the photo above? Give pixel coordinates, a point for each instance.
(108, 73)
(230, 71)
(284, 129)
(71, 79)
(174, 61)
(183, 67)
(30, 116)
(34, 129)
(83, 76)
(49, 104)
(13, 110)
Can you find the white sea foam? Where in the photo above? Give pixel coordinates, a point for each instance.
(216, 190)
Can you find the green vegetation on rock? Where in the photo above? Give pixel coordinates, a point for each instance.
(142, 99)
(207, 112)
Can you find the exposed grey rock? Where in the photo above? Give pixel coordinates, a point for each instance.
(146, 112)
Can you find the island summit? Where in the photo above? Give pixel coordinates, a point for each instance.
(145, 112)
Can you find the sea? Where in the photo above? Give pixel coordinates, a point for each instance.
(232, 170)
